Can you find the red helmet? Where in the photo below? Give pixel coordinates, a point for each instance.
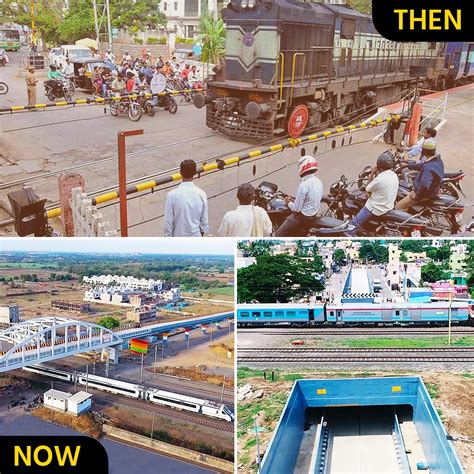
(307, 164)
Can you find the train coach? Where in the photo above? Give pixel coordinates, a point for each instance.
(139, 392)
(352, 314)
(292, 64)
(460, 63)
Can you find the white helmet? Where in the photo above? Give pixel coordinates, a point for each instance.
(307, 164)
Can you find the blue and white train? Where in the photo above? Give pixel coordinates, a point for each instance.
(355, 314)
(139, 392)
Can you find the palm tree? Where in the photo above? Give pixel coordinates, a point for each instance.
(212, 38)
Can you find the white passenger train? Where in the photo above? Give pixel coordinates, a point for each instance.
(153, 395)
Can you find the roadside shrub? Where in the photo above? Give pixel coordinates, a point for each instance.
(153, 40)
(181, 40)
(137, 40)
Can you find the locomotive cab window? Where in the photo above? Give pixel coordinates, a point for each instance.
(348, 29)
(244, 314)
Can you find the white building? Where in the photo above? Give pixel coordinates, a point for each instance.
(174, 294)
(9, 314)
(124, 282)
(66, 402)
(183, 16)
(79, 403)
(56, 399)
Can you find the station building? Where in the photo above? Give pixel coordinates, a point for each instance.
(66, 402)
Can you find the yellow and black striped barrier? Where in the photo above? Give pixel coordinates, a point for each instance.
(233, 160)
(94, 100)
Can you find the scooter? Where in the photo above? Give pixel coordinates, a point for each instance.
(3, 57)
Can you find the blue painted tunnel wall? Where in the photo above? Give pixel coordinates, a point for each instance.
(283, 450)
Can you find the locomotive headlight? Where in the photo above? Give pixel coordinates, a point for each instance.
(248, 3)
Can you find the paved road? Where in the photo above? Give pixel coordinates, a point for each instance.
(123, 459)
(63, 137)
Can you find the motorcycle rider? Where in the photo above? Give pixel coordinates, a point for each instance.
(54, 77)
(382, 189)
(118, 84)
(307, 202)
(68, 69)
(427, 183)
(415, 150)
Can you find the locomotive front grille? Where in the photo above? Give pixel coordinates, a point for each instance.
(238, 125)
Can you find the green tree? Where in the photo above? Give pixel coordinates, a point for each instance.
(255, 248)
(339, 257)
(373, 251)
(109, 322)
(212, 38)
(403, 257)
(415, 246)
(278, 278)
(432, 272)
(470, 262)
(364, 6)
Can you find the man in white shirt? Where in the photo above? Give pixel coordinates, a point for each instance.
(68, 69)
(307, 202)
(186, 212)
(246, 220)
(382, 190)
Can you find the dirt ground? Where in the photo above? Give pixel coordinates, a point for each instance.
(207, 362)
(452, 395)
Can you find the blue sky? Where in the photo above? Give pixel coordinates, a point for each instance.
(118, 245)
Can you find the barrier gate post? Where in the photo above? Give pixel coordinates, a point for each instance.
(122, 169)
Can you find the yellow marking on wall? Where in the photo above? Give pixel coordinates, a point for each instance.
(396, 388)
(321, 391)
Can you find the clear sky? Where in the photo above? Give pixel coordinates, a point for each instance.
(206, 246)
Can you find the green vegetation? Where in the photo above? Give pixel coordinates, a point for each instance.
(271, 405)
(152, 40)
(255, 248)
(279, 278)
(364, 6)
(398, 343)
(56, 27)
(373, 251)
(109, 322)
(432, 272)
(29, 265)
(468, 375)
(225, 290)
(212, 38)
(433, 390)
(339, 257)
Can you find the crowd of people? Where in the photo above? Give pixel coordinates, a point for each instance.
(186, 212)
(130, 74)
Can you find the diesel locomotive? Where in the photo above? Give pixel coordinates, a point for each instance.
(355, 314)
(293, 64)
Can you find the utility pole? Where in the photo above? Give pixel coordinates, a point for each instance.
(141, 369)
(156, 352)
(33, 25)
(87, 378)
(222, 392)
(449, 318)
(102, 20)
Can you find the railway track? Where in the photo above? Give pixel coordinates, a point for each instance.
(420, 332)
(147, 406)
(344, 355)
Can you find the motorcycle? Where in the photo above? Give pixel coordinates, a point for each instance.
(345, 201)
(3, 57)
(58, 89)
(125, 106)
(167, 102)
(444, 212)
(273, 201)
(450, 185)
